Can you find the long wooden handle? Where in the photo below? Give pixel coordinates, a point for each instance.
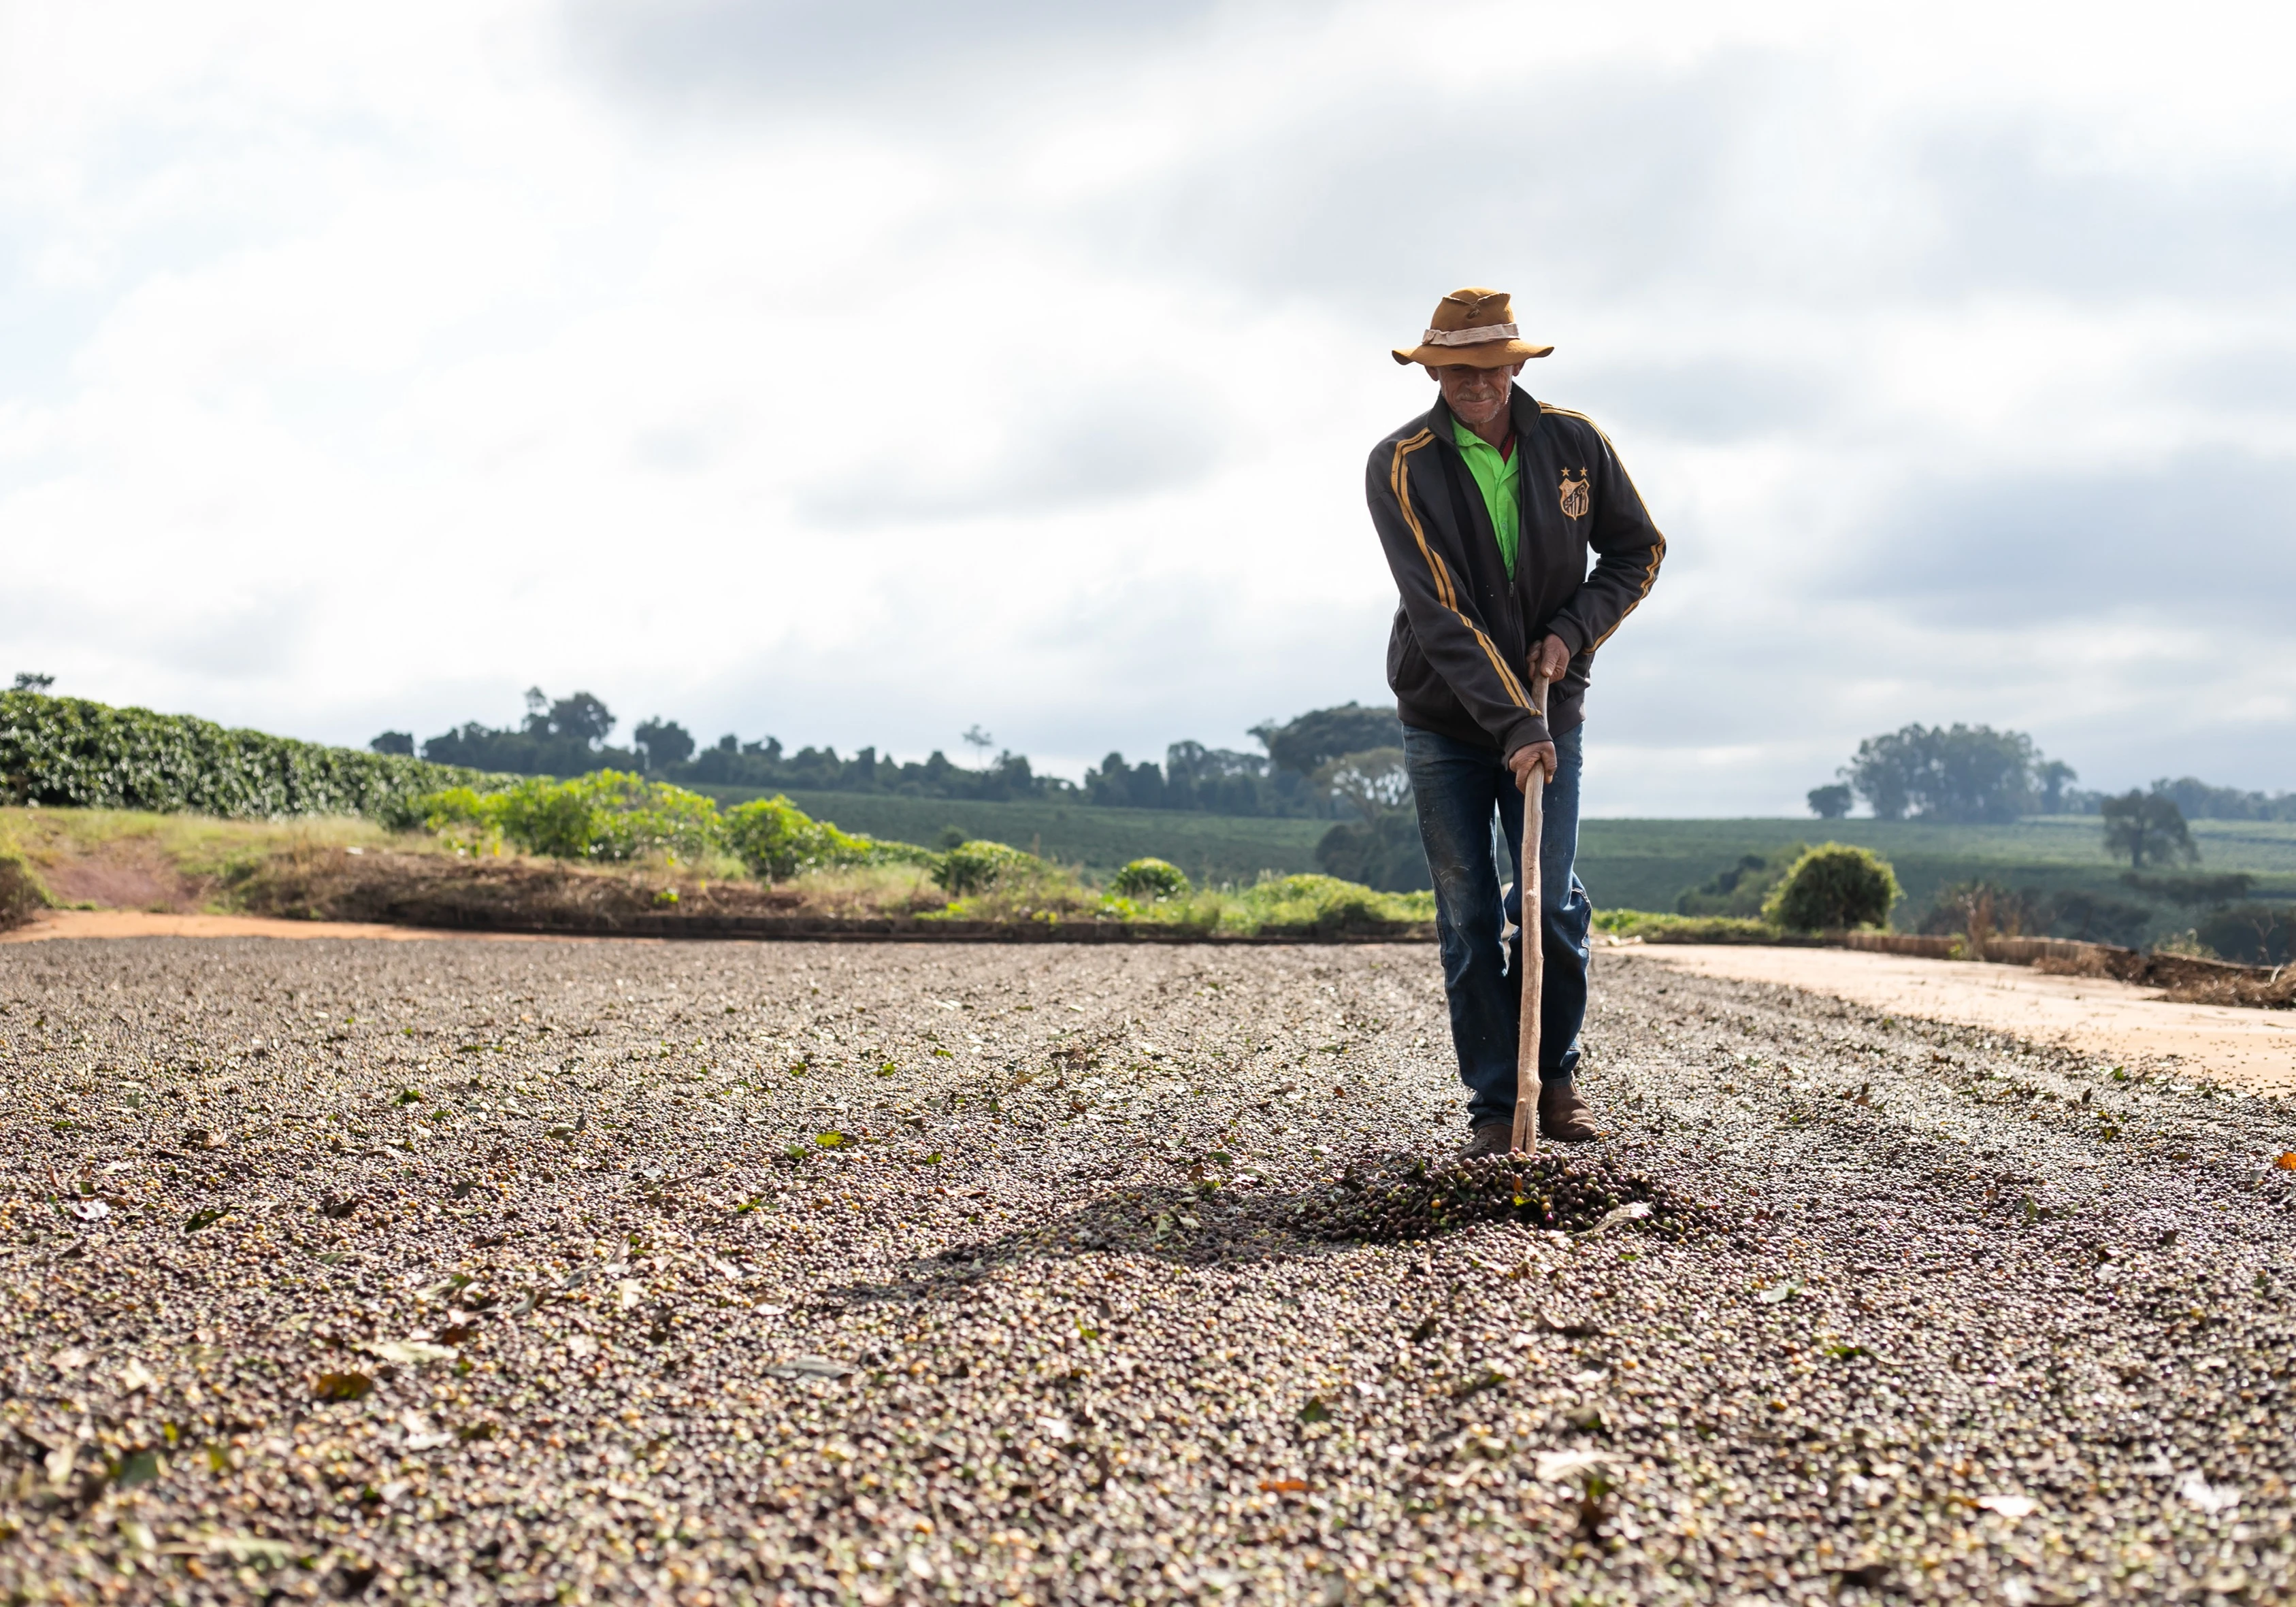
(1534, 955)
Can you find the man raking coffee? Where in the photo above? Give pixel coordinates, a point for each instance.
(1489, 506)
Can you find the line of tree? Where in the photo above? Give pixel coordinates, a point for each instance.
(1295, 777)
(570, 736)
(1974, 773)
(1959, 773)
(2195, 800)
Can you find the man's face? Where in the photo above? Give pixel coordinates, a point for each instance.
(1476, 395)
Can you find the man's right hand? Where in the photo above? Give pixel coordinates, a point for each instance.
(1532, 756)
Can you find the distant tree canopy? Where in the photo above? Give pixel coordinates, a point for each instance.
(2147, 828)
(2197, 801)
(1214, 780)
(1297, 777)
(1964, 772)
(663, 742)
(1373, 782)
(733, 763)
(394, 741)
(1305, 745)
(562, 736)
(1217, 781)
(1830, 802)
(582, 717)
(2053, 776)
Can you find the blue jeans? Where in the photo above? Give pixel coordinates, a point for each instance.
(1457, 789)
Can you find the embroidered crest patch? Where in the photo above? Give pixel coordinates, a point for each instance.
(1574, 495)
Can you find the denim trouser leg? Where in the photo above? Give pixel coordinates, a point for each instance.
(1458, 789)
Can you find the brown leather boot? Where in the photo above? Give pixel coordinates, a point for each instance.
(1491, 1138)
(1563, 1116)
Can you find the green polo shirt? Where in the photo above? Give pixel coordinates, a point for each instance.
(1501, 480)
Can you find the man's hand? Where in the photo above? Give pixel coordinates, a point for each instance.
(1534, 756)
(1550, 658)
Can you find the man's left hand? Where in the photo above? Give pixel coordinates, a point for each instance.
(1550, 658)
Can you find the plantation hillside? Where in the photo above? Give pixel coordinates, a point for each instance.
(1626, 864)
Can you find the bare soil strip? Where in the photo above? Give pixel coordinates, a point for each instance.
(458, 1272)
(2112, 1020)
(54, 923)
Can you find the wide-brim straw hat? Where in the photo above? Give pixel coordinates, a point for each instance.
(1475, 327)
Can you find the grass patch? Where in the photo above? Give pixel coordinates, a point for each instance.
(1653, 927)
(137, 859)
(858, 892)
(1304, 905)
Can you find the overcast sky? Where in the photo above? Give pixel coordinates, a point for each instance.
(858, 372)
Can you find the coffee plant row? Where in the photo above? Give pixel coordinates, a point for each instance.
(70, 753)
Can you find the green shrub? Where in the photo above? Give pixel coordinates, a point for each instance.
(69, 753)
(1021, 887)
(1833, 885)
(1150, 879)
(1327, 904)
(611, 815)
(776, 840)
(975, 867)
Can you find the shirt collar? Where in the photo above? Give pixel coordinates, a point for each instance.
(1465, 438)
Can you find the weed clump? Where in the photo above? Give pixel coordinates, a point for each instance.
(976, 866)
(777, 840)
(1150, 879)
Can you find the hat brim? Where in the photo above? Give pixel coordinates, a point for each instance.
(1482, 354)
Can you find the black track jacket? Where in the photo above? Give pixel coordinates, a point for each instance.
(1458, 656)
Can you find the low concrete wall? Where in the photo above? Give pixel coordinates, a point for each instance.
(2001, 951)
(2094, 959)
(1898, 943)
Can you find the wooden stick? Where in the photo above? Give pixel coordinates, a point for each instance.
(1534, 955)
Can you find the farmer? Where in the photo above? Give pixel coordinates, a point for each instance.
(1488, 503)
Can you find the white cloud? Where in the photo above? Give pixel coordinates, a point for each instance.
(739, 364)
